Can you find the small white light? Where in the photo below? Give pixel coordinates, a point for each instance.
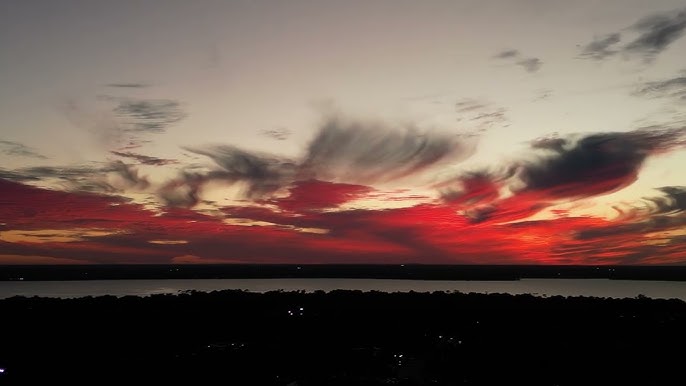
(302, 309)
(2, 370)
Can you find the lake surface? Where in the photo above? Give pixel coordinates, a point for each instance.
(540, 287)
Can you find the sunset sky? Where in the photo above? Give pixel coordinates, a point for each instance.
(390, 131)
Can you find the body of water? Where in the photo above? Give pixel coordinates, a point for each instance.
(540, 287)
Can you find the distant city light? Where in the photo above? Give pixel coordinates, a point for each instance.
(2, 370)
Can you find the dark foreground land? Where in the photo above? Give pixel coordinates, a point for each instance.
(342, 338)
(352, 271)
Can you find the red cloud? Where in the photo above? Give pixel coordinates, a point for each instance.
(439, 232)
(315, 194)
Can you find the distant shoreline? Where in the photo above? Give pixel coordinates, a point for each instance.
(601, 288)
(338, 271)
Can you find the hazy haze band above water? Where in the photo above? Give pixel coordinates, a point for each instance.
(547, 287)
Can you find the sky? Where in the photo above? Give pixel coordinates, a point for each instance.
(390, 131)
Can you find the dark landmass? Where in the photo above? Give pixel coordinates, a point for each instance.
(410, 271)
(342, 338)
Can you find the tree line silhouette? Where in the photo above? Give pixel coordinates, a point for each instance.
(342, 338)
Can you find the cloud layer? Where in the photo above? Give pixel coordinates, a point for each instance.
(312, 209)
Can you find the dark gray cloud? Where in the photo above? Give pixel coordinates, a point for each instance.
(19, 149)
(554, 143)
(506, 54)
(16, 176)
(62, 172)
(600, 47)
(121, 123)
(654, 34)
(262, 173)
(668, 88)
(183, 191)
(279, 134)
(144, 159)
(98, 178)
(129, 178)
(667, 212)
(128, 85)
(673, 200)
(594, 164)
(564, 168)
(468, 105)
(530, 64)
(148, 115)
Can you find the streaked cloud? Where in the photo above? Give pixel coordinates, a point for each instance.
(144, 159)
(667, 88)
(17, 149)
(601, 47)
(647, 38)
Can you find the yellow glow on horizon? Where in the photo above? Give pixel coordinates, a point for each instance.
(53, 235)
(168, 242)
(33, 259)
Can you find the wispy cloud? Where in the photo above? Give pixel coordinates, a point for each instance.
(83, 178)
(480, 114)
(123, 123)
(506, 54)
(600, 47)
(12, 148)
(144, 159)
(648, 37)
(343, 150)
(657, 32)
(128, 85)
(375, 152)
(147, 115)
(279, 134)
(667, 88)
(673, 200)
(529, 63)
